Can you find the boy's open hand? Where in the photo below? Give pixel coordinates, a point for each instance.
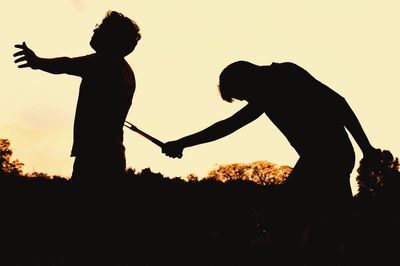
(172, 149)
(26, 54)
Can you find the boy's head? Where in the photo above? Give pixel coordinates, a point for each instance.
(237, 80)
(117, 35)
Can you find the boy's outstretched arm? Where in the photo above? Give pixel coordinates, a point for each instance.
(216, 131)
(59, 65)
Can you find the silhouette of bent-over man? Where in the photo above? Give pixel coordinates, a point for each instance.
(105, 96)
(313, 118)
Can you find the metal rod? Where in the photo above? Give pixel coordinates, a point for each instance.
(144, 134)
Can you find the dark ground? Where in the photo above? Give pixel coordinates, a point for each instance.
(151, 220)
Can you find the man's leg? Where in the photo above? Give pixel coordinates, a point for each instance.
(93, 170)
(96, 185)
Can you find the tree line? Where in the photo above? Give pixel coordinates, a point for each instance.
(150, 219)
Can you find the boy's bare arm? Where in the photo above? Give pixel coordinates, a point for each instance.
(59, 65)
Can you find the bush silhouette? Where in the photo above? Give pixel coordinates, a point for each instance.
(379, 180)
(150, 219)
(260, 172)
(8, 167)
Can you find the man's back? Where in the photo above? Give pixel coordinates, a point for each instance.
(305, 110)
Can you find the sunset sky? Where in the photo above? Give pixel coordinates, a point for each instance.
(351, 46)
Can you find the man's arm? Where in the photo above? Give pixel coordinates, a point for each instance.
(59, 65)
(352, 123)
(216, 131)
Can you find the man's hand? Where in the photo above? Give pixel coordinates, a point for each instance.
(372, 157)
(26, 54)
(173, 149)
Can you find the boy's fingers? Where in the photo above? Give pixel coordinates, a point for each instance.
(23, 66)
(23, 58)
(19, 53)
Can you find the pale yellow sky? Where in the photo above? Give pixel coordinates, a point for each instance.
(351, 46)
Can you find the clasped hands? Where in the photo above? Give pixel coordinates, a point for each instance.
(173, 149)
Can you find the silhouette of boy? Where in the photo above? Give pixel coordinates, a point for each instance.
(105, 96)
(312, 117)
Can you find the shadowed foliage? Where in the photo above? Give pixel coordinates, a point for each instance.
(8, 167)
(378, 180)
(149, 219)
(260, 172)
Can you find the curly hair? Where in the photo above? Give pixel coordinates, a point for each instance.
(121, 34)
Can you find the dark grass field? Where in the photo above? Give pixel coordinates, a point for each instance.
(147, 219)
